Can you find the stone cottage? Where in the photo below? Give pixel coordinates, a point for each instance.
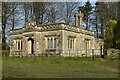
(54, 39)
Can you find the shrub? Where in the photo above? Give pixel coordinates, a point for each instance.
(5, 53)
(4, 46)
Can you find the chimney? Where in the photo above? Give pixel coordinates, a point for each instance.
(78, 19)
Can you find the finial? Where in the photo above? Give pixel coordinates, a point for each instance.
(88, 0)
(31, 20)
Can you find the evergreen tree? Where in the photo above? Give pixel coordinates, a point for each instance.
(116, 38)
(86, 9)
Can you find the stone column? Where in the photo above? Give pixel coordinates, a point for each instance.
(13, 45)
(56, 43)
(38, 46)
(88, 44)
(17, 44)
(29, 47)
(75, 43)
(46, 43)
(53, 42)
(93, 43)
(24, 45)
(68, 44)
(72, 43)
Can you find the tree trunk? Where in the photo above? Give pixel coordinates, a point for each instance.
(3, 31)
(36, 12)
(26, 14)
(97, 26)
(13, 21)
(87, 23)
(102, 30)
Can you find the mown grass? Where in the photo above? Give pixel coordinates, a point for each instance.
(59, 67)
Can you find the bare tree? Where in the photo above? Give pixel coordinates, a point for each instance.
(7, 11)
(39, 10)
(68, 11)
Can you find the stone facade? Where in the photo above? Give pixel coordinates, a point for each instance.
(58, 39)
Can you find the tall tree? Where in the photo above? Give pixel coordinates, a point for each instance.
(105, 12)
(39, 9)
(36, 11)
(116, 38)
(13, 14)
(25, 5)
(67, 11)
(102, 13)
(7, 11)
(52, 12)
(86, 9)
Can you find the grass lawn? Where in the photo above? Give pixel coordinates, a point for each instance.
(58, 67)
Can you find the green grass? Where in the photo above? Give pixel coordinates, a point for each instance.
(59, 67)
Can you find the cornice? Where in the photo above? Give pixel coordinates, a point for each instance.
(51, 27)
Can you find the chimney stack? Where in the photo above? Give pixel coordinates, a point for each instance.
(78, 19)
(80, 13)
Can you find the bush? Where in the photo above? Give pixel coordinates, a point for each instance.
(3, 46)
(5, 53)
(113, 56)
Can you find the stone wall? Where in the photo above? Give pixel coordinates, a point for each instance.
(79, 44)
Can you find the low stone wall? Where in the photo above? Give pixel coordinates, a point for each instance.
(64, 53)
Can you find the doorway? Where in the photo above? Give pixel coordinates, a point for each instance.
(31, 43)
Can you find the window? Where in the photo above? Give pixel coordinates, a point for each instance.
(87, 43)
(18, 44)
(51, 42)
(71, 42)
